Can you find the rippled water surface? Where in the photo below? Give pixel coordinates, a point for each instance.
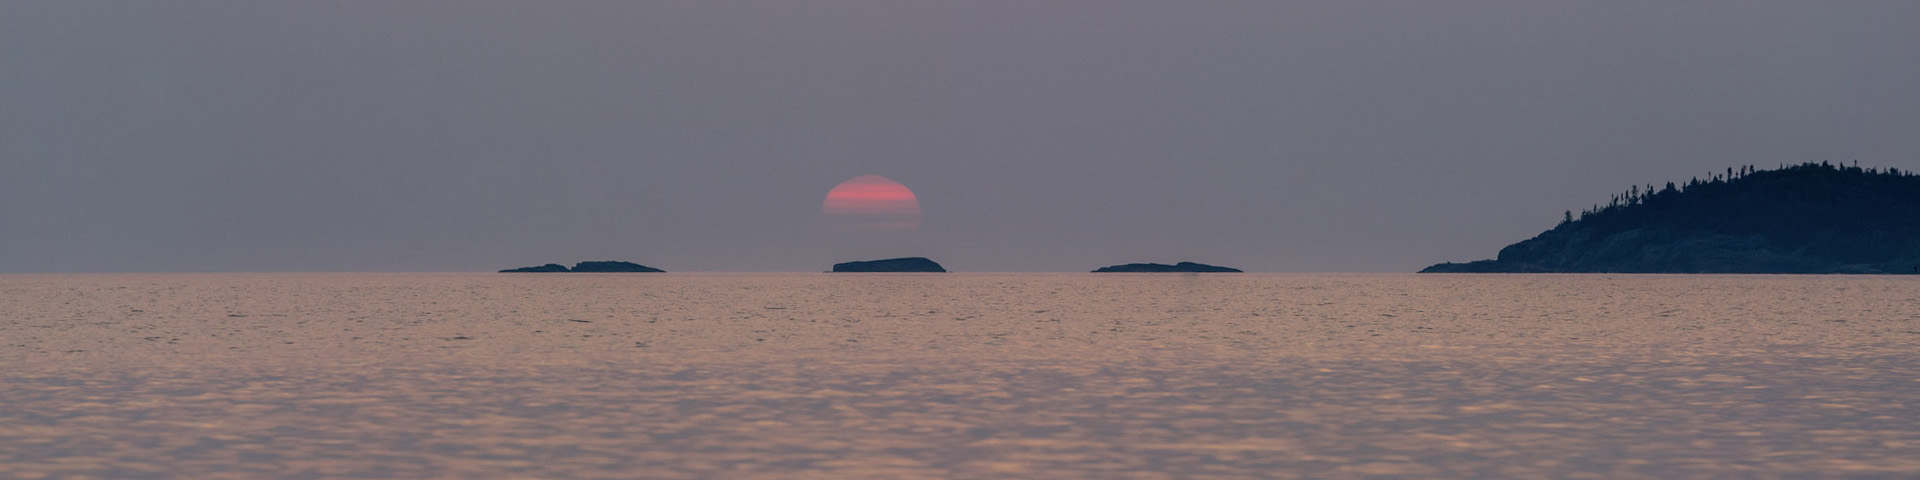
(958, 376)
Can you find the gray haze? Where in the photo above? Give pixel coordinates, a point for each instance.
(1040, 136)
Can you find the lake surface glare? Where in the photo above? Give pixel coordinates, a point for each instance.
(958, 376)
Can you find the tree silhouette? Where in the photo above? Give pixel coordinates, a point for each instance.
(1802, 218)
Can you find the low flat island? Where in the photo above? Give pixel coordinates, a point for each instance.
(891, 265)
(589, 267)
(1182, 267)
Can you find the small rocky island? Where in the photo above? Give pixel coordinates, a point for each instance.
(891, 265)
(1182, 267)
(1808, 218)
(588, 267)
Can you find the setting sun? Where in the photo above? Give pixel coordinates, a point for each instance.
(872, 202)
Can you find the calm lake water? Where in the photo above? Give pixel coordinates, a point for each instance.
(958, 376)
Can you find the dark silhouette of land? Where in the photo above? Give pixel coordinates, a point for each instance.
(1188, 267)
(548, 268)
(588, 267)
(1808, 218)
(891, 265)
(613, 267)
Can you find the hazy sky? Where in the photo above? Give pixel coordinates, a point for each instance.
(1040, 136)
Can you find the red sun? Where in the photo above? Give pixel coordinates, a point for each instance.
(872, 202)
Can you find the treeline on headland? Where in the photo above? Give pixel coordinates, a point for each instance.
(1807, 218)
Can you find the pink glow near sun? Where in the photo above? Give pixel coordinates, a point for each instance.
(872, 202)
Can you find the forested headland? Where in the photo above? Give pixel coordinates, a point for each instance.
(1807, 218)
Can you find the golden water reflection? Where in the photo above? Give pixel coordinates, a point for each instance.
(1675, 417)
(960, 376)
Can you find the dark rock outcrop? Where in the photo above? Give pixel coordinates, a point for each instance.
(1809, 218)
(908, 264)
(1187, 267)
(613, 267)
(548, 268)
(588, 267)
